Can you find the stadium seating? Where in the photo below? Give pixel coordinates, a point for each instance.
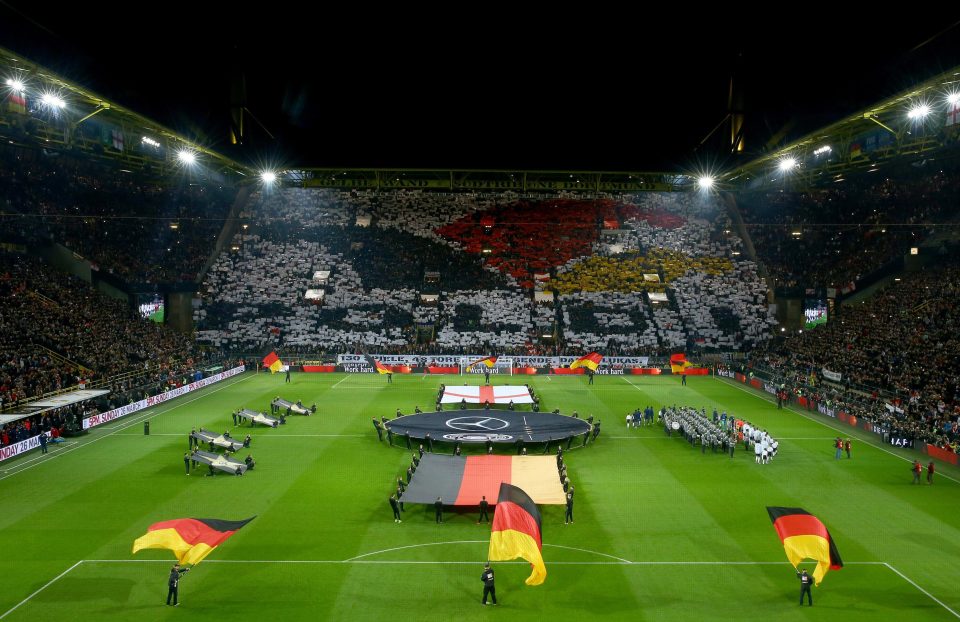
(835, 236)
(40, 306)
(127, 225)
(486, 254)
(899, 346)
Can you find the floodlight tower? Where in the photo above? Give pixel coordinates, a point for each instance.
(238, 104)
(735, 108)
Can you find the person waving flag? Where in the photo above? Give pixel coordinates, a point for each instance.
(590, 361)
(516, 532)
(805, 537)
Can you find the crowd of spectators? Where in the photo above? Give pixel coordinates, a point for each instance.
(140, 230)
(895, 353)
(834, 236)
(54, 327)
(464, 264)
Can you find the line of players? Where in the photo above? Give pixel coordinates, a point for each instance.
(722, 433)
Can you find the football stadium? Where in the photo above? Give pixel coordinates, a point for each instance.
(268, 353)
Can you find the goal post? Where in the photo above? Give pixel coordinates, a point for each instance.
(502, 367)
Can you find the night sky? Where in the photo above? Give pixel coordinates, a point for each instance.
(596, 89)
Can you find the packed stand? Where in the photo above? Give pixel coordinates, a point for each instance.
(464, 265)
(896, 354)
(139, 230)
(40, 306)
(835, 236)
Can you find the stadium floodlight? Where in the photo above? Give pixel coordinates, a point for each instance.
(187, 157)
(918, 111)
(52, 100)
(787, 164)
(16, 84)
(953, 99)
(268, 177)
(706, 182)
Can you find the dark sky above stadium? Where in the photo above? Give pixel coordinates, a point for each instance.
(590, 89)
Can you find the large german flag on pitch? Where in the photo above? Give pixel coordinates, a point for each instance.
(272, 362)
(190, 539)
(590, 361)
(805, 537)
(516, 532)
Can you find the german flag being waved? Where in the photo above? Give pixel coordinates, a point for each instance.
(805, 537)
(190, 539)
(272, 362)
(489, 361)
(679, 363)
(516, 532)
(377, 365)
(590, 361)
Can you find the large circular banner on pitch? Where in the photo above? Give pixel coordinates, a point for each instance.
(481, 426)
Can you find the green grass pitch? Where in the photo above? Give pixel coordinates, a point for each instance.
(661, 533)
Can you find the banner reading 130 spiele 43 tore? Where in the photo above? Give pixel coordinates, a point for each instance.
(358, 362)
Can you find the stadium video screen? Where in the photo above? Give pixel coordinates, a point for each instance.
(815, 313)
(151, 307)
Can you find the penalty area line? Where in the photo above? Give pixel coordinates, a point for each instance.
(45, 586)
(929, 595)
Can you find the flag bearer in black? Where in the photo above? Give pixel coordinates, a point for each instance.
(805, 582)
(173, 583)
(569, 516)
(438, 507)
(488, 586)
(395, 506)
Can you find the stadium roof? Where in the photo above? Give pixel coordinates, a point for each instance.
(607, 92)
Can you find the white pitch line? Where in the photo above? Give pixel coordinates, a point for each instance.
(339, 381)
(570, 548)
(932, 597)
(55, 447)
(808, 417)
(624, 562)
(358, 560)
(413, 546)
(45, 586)
(123, 426)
